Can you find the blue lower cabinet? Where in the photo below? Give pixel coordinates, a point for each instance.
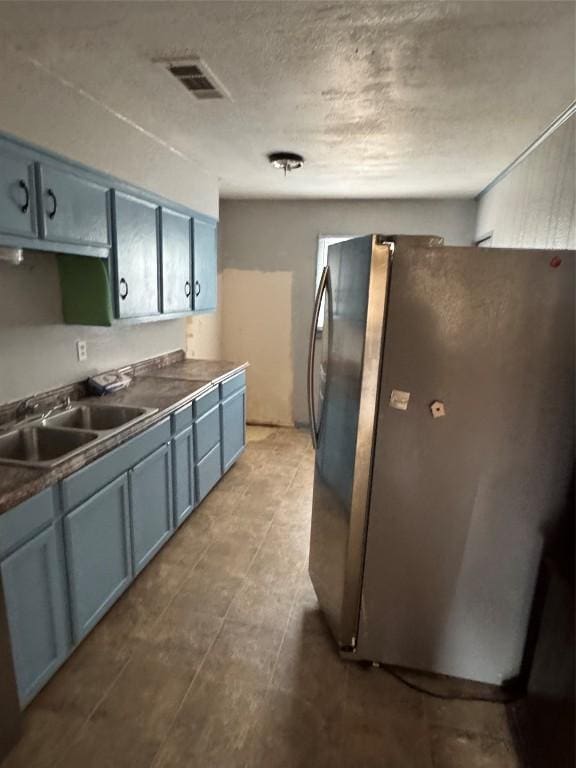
(233, 428)
(183, 475)
(151, 505)
(98, 549)
(208, 472)
(34, 586)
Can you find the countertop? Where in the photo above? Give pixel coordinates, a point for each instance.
(167, 388)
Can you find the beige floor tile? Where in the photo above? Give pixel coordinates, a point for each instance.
(129, 726)
(472, 716)
(211, 587)
(452, 748)
(262, 606)
(181, 637)
(85, 677)
(235, 552)
(292, 733)
(309, 668)
(45, 736)
(212, 726)
(242, 653)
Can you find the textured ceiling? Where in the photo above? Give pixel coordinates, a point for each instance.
(383, 99)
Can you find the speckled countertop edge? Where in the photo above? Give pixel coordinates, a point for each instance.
(20, 483)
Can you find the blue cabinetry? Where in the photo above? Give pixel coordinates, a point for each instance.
(136, 256)
(33, 580)
(17, 195)
(164, 255)
(183, 475)
(67, 556)
(205, 265)
(33, 575)
(73, 208)
(151, 505)
(176, 262)
(98, 553)
(233, 414)
(208, 472)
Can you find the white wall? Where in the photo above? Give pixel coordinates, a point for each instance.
(36, 350)
(534, 206)
(268, 252)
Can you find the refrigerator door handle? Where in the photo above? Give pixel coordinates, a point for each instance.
(311, 354)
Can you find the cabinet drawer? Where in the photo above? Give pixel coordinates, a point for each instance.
(21, 523)
(232, 385)
(87, 481)
(206, 433)
(181, 419)
(206, 402)
(208, 472)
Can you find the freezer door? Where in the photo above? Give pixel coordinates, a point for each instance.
(461, 501)
(357, 280)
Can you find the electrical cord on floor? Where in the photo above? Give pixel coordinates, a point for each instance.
(451, 697)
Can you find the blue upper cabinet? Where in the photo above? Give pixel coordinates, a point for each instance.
(176, 262)
(73, 208)
(17, 195)
(136, 283)
(164, 256)
(205, 265)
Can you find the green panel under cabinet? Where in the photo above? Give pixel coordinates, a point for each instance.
(85, 287)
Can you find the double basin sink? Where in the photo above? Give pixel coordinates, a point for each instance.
(45, 442)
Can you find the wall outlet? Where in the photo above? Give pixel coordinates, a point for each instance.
(82, 350)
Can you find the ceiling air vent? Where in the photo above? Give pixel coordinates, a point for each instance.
(197, 78)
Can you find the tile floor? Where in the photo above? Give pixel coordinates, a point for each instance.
(218, 657)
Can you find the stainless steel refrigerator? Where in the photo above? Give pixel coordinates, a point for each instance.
(444, 435)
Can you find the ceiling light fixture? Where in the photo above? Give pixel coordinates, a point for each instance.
(285, 161)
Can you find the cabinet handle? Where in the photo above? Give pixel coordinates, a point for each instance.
(52, 196)
(187, 288)
(197, 284)
(22, 184)
(123, 288)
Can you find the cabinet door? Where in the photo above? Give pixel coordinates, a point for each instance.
(233, 440)
(206, 433)
(208, 472)
(17, 193)
(176, 262)
(183, 475)
(73, 209)
(34, 589)
(151, 504)
(98, 551)
(136, 256)
(205, 265)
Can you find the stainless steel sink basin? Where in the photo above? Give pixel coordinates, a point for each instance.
(42, 446)
(44, 442)
(99, 418)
